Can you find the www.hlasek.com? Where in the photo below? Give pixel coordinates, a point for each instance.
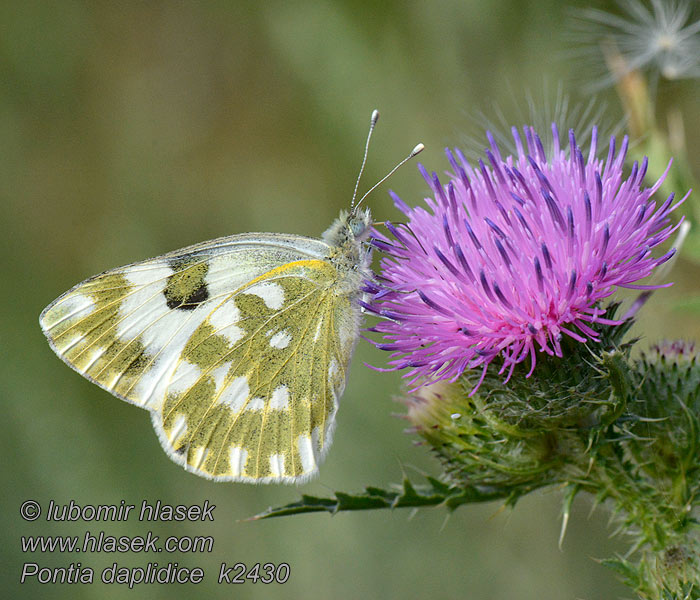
(97, 541)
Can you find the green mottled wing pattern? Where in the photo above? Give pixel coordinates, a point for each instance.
(238, 347)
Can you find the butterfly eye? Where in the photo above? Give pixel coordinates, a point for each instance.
(358, 228)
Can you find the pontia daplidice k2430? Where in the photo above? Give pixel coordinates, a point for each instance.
(239, 347)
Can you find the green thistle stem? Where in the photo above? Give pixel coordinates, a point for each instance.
(626, 432)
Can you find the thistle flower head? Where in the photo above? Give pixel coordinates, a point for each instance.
(677, 351)
(660, 39)
(510, 256)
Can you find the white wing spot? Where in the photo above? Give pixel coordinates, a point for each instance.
(280, 398)
(347, 334)
(219, 375)
(115, 380)
(224, 320)
(73, 342)
(164, 337)
(145, 303)
(277, 465)
(232, 333)
(200, 455)
(280, 340)
(271, 293)
(306, 453)
(318, 330)
(332, 370)
(255, 404)
(97, 353)
(238, 458)
(226, 314)
(75, 306)
(227, 272)
(179, 429)
(235, 394)
(185, 376)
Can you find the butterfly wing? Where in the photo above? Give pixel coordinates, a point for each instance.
(239, 348)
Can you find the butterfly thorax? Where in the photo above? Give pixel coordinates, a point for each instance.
(350, 253)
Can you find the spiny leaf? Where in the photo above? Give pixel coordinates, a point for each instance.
(571, 491)
(434, 493)
(625, 569)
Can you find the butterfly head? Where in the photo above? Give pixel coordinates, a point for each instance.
(351, 227)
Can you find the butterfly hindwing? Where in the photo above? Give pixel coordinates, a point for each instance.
(239, 348)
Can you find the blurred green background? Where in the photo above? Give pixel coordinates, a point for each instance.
(129, 129)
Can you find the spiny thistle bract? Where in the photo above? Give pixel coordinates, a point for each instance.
(531, 432)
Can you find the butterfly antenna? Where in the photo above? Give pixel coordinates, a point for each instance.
(417, 150)
(372, 124)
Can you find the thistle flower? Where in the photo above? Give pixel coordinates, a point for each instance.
(672, 350)
(662, 40)
(511, 256)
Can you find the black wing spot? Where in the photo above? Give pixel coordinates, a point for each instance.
(186, 288)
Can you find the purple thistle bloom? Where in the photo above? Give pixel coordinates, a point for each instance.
(513, 254)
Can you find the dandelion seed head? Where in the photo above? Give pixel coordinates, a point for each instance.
(659, 37)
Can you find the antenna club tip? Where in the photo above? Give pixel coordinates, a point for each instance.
(375, 116)
(418, 149)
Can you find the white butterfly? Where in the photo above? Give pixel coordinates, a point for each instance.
(239, 347)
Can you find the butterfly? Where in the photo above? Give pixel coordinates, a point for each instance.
(239, 347)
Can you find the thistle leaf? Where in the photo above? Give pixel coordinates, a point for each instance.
(434, 493)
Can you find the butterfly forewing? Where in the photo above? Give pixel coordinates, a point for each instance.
(239, 347)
